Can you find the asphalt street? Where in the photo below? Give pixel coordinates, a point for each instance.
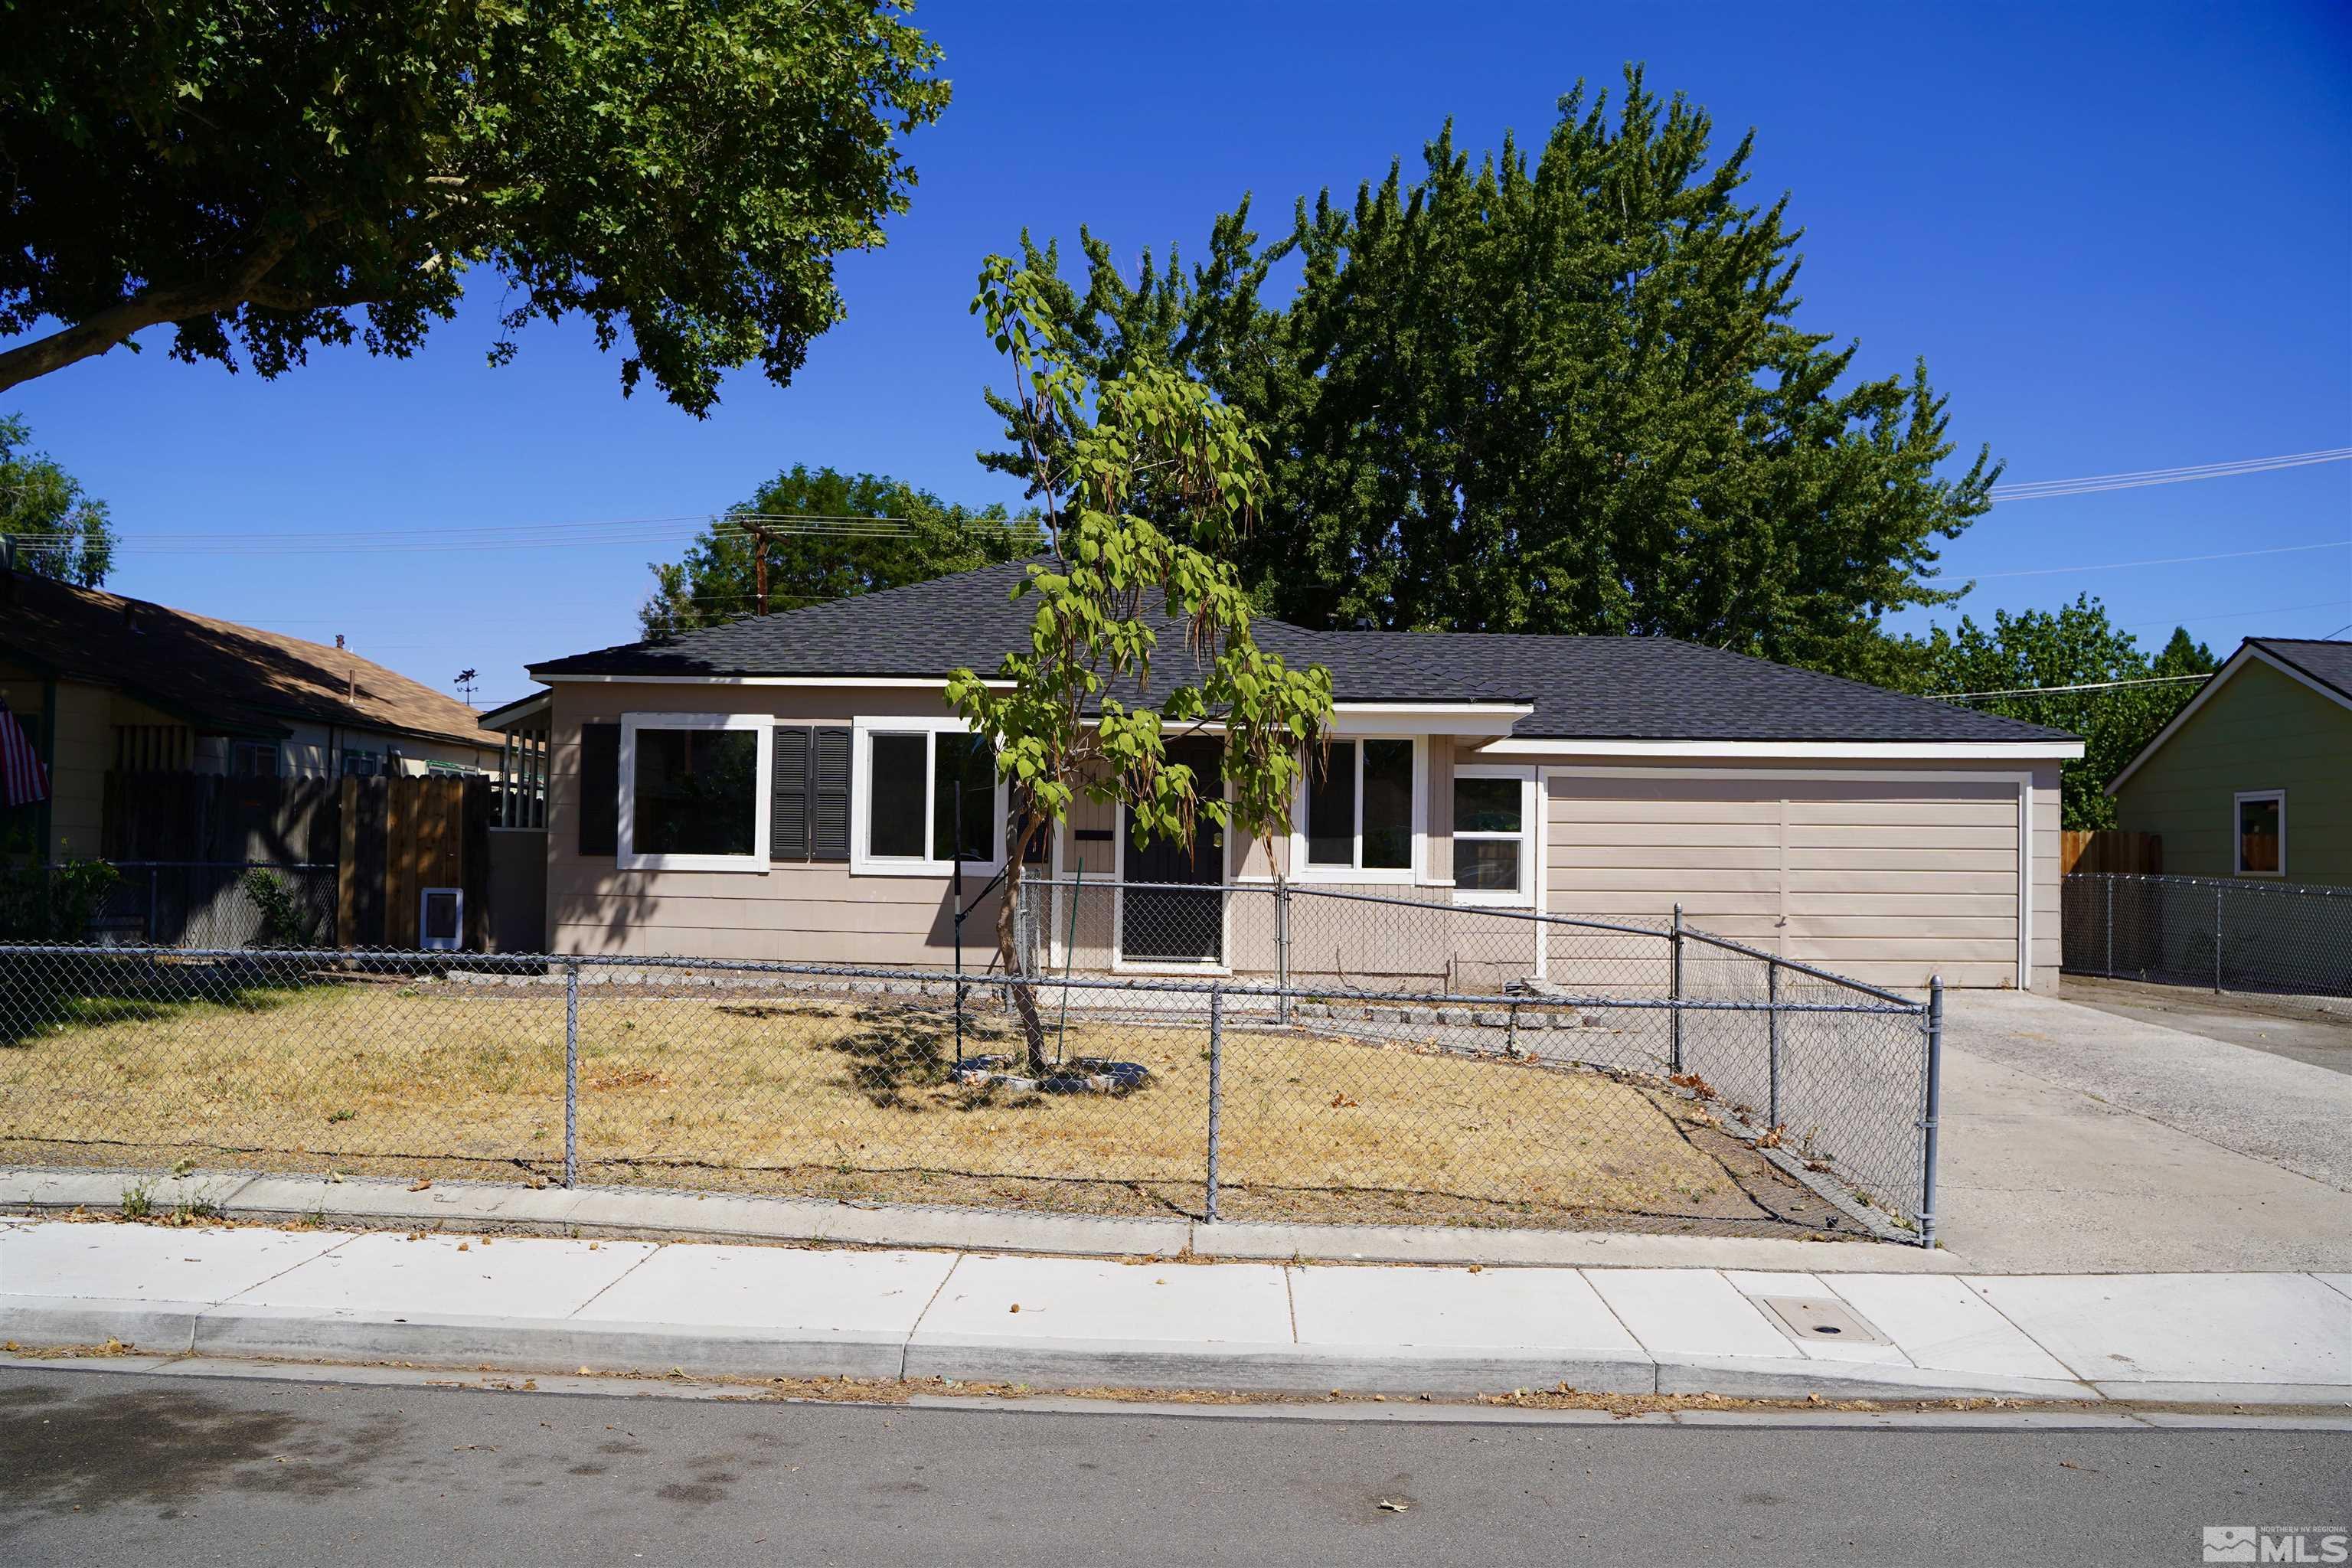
(118, 1467)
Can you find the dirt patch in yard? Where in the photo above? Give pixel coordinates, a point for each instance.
(856, 1097)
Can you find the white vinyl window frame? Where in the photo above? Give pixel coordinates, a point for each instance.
(862, 863)
(2238, 867)
(627, 858)
(1417, 814)
(1524, 895)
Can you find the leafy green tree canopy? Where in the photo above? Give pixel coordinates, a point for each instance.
(53, 526)
(826, 535)
(254, 172)
(2076, 645)
(1563, 394)
(1074, 713)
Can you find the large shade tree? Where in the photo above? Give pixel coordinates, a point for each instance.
(821, 534)
(264, 176)
(1564, 393)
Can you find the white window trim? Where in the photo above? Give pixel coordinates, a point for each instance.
(1529, 811)
(861, 801)
(2238, 834)
(1301, 870)
(627, 858)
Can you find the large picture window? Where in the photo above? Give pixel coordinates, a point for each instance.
(1494, 835)
(906, 800)
(693, 792)
(1361, 799)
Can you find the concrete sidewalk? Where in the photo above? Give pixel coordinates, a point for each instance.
(539, 1304)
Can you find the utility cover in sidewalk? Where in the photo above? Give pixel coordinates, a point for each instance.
(1815, 1319)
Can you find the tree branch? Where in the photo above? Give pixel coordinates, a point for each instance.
(100, 331)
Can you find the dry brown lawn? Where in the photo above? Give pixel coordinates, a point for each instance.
(855, 1100)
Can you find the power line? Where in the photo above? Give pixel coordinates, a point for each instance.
(2091, 484)
(2165, 560)
(2084, 686)
(2227, 615)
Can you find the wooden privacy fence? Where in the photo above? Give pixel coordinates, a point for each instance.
(168, 816)
(2110, 849)
(400, 836)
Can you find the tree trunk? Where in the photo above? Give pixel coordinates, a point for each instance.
(1023, 990)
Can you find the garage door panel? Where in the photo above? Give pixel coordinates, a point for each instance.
(1884, 881)
(1678, 856)
(1862, 859)
(2002, 837)
(1568, 881)
(1905, 813)
(1925, 881)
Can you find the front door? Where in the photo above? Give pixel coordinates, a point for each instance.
(1186, 927)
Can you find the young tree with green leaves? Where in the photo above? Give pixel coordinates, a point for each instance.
(1557, 393)
(269, 174)
(1076, 713)
(53, 526)
(2076, 645)
(826, 535)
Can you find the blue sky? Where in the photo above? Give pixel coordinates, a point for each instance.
(2121, 236)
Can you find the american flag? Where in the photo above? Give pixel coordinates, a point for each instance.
(23, 780)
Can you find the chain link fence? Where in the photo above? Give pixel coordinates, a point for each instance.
(2221, 934)
(217, 904)
(1744, 1096)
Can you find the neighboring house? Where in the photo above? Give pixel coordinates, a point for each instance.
(780, 788)
(2254, 777)
(105, 684)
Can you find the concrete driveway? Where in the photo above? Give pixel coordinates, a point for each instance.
(2077, 1140)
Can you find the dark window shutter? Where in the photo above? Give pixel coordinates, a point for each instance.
(788, 823)
(829, 796)
(600, 789)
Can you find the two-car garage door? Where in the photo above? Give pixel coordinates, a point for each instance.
(1888, 880)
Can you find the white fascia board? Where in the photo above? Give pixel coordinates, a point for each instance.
(1796, 751)
(1427, 718)
(2247, 653)
(498, 719)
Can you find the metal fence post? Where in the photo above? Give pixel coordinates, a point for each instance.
(1282, 949)
(2217, 940)
(1934, 1110)
(1216, 1097)
(2111, 925)
(1675, 993)
(1772, 1041)
(571, 1074)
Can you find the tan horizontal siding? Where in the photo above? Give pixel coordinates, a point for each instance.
(1888, 880)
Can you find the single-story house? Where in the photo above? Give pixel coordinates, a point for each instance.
(782, 788)
(2254, 777)
(105, 684)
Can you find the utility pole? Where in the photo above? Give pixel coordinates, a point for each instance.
(758, 568)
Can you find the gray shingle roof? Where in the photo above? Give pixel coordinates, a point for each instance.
(2329, 663)
(1592, 687)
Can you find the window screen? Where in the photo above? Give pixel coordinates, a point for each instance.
(1331, 806)
(894, 824)
(1387, 805)
(969, 760)
(696, 791)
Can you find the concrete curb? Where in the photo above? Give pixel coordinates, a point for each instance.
(555, 1345)
(722, 1216)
